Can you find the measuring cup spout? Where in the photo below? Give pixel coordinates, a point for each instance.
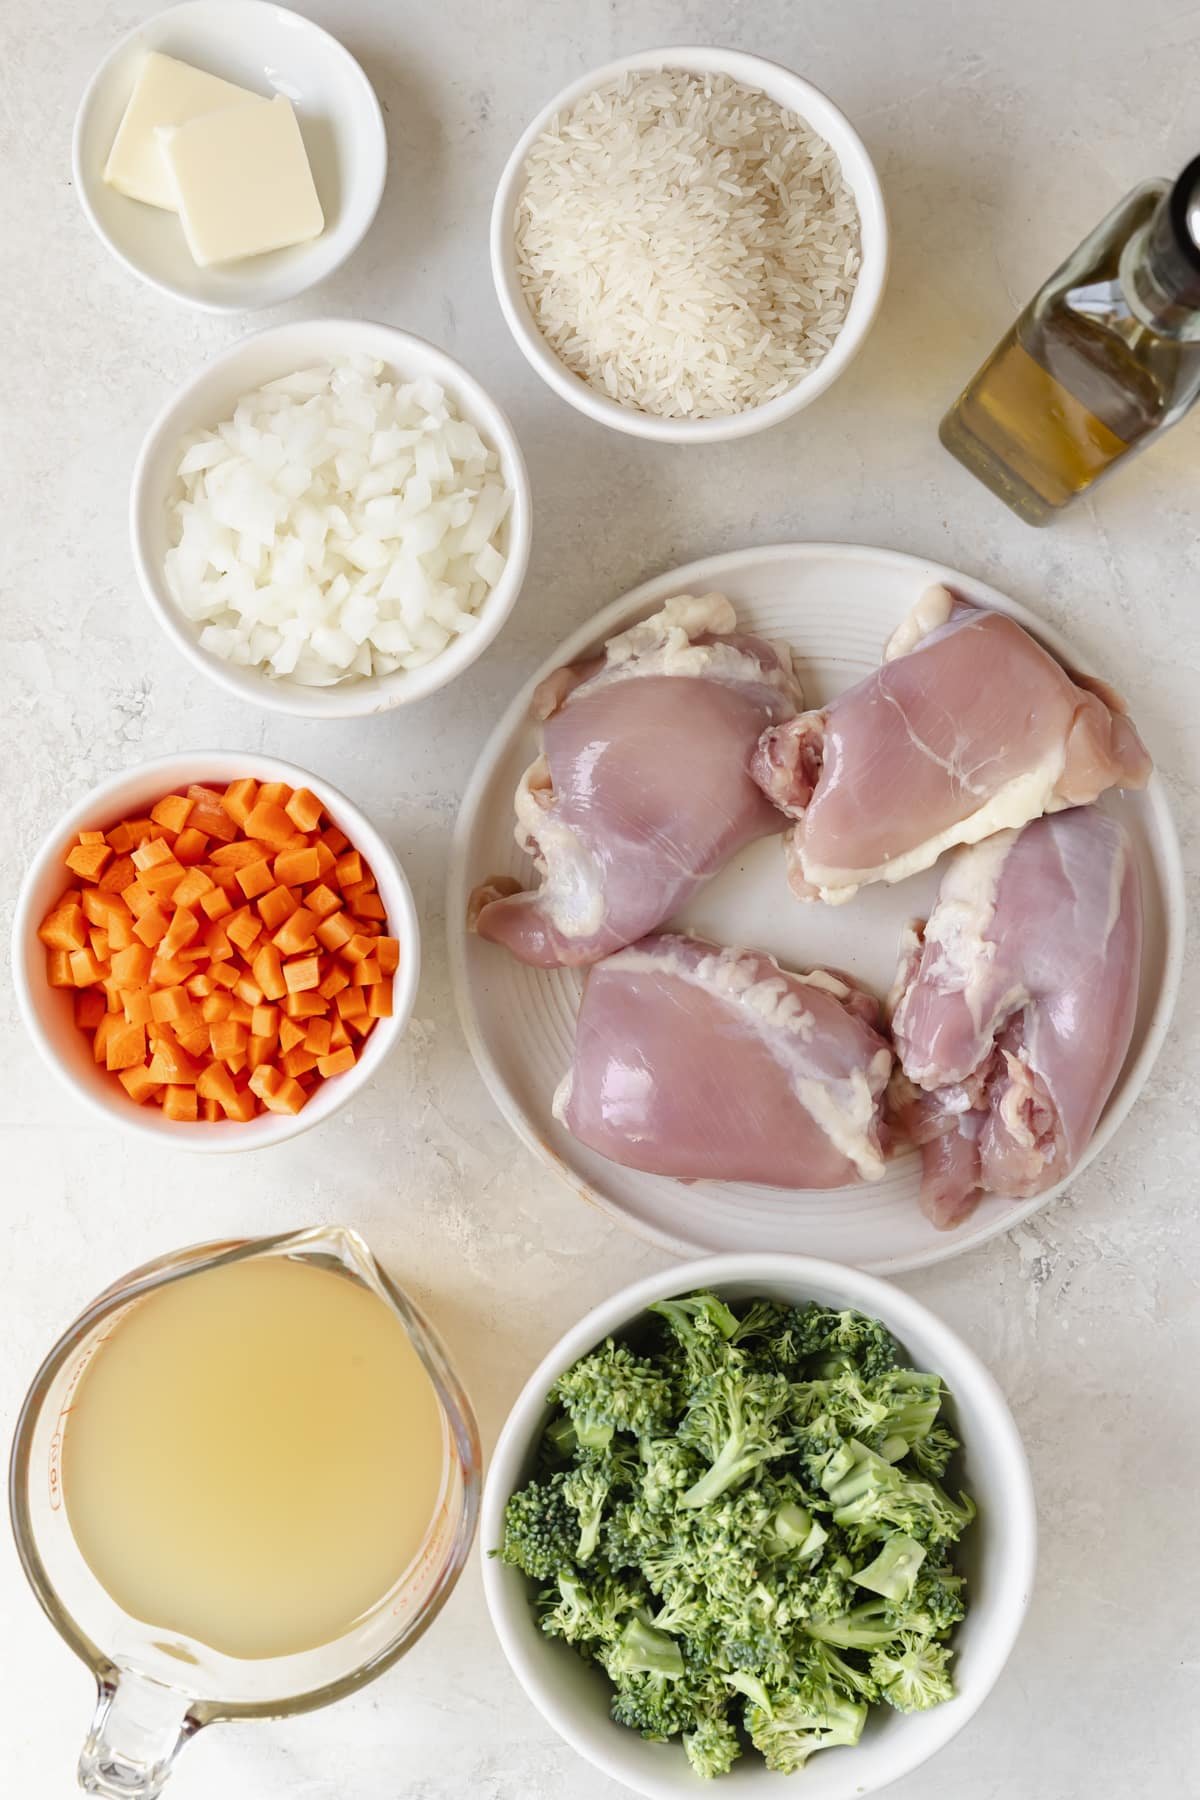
(138, 1729)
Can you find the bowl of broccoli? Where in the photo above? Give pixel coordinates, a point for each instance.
(755, 1517)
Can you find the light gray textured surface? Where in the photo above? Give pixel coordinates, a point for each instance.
(1001, 135)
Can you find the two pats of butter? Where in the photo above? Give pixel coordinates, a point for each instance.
(231, 163)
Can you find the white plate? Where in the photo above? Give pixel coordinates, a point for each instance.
(836, 604)
(271, 51)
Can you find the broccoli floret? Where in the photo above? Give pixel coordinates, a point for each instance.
(875, 1496)
(827, 1667)
(913, 1673)
(793, 1726)
(587, 1612)
(587, 1488)
(700, 1328)
(541, 1529)
(845, 1339)
(641, 1649)
(863, 1627)
(712, 1745)
(932, 1452)
(613, 1390)
(668, 1468)
(894, 1571)
(734, 1421)
(936, 1602)
(559, 1442)
(794, 1530)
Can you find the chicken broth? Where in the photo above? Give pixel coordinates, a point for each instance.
(254, 1457)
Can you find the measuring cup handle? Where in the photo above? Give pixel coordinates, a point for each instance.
(138, 1729)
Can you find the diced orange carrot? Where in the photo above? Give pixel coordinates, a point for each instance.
(289, 1096)
(261, 1049)
(139, 1005)
(300, 974)
(170, 971)
(349, 868)
(133, 964)
(303, 809)
(387, 949)
(322, 900)
(199, 986)
(370, 906)
(168, 1004)
(335, 840)
(179, 1103)
(335, 931)
(296, 932)
(240, 1009)
(171, 1063)
(268, 822)
(242, 929)
(90, 837)
(255, 879)
(367, 973)
(215, 1007)
(264, 1021)
(215, 903)
(316, 1038)
(138, 899)
(267, 969)
(244, 1107)
(151, 927)
(239, 797)
(304, 1005)
(277, 906)
(336, 1063)
(101, 1035)
(265, 1081)
(125, 1046)
(88, 860)
(351, 1003)
(194, 1039)
(276, 793)
(65, 927)
(150, 854)
(227, 1038)
(326, 859)
(298, 1061)
(139, 1084)
(357, 948)
(290, 1034)
(294, 867)
(118, 875)
(216, 1083)
(90, 1008)
(339, 1037)
(172, 811)
(333, 982)
(192, 889)
(183, 930)
(85, 969)
(208, 815)
(237, 855)
(191, 846)
(216, 942)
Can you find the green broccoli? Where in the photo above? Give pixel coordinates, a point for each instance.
(712, 1744)
(912, 1673)
(541, 1529)
(613, 1390)
(788, 1731)
(733, 1420)
(737, 1519)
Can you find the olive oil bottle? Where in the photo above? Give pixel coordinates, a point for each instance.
(1104, 358)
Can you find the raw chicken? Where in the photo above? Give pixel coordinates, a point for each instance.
(968, 728)
(643, 787)
(701, 1062)
(1014, 1007)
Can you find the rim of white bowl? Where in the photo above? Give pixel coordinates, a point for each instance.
(366, 695)
(278, 297)
(949, 1356)
(824, 117)
(224, 766)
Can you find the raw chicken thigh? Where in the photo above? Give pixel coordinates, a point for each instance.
(1014, 1008)
(968, 728)
(702, 1062)
(643, 788)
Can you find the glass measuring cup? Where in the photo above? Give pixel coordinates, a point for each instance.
(156, 1689)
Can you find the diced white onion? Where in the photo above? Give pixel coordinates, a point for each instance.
(340, 525)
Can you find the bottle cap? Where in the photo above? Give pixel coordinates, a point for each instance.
(1175, 239)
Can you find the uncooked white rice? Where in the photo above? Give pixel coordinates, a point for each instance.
(686, 245)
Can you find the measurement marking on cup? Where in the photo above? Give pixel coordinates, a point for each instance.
(54, 1471)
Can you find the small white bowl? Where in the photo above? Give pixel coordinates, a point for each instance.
(998, 1553)
(269, 50)
(822, 115)
(210, 396)
(49, 1012)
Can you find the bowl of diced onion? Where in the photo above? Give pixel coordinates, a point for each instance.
(331, 519)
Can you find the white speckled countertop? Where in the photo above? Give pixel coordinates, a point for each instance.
(1001, 135)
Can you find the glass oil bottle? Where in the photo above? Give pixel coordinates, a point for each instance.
(1104, 358)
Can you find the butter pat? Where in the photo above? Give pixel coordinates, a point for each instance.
(166, 92)
(242, 181)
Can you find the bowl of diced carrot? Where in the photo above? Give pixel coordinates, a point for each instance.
(216, 949)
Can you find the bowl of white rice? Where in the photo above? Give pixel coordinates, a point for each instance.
(689, 244)
(331, 519)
